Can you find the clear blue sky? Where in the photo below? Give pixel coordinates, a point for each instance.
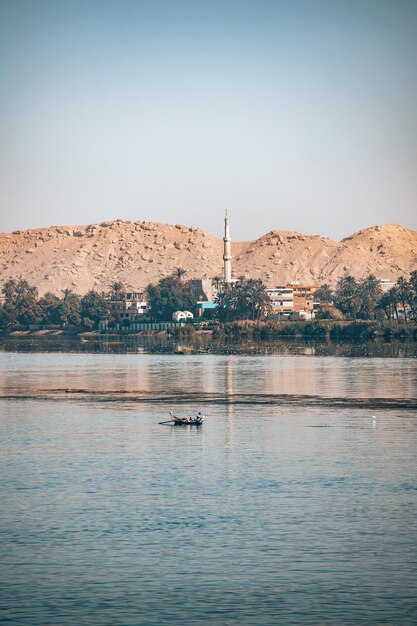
(292, 114)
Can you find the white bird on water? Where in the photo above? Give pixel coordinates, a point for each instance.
(373, 421)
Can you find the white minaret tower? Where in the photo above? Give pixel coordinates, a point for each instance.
(227, 255)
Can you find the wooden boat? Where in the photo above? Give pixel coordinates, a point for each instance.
(187, 421)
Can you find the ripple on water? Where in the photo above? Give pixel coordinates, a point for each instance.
(288, 511)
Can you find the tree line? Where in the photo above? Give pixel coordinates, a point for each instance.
(351, 299)
(22, 306)
(365, 300)
(245, 299)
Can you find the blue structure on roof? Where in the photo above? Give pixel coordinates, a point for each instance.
(205, 309)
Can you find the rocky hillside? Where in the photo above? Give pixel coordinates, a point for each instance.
(280, 256)
(137, 253)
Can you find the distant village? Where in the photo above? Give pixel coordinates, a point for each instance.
(175, 301)
(293, 301)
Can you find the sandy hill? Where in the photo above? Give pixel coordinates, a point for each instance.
(137, 253)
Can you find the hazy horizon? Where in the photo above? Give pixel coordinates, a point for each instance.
(293, 115)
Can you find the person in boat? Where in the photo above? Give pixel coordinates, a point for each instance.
(191, 420)
(187, 420)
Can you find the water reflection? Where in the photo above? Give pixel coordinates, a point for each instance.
(226, 380)
(202, 344)
(287, 507)
(229, 395)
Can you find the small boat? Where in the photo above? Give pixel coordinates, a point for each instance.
(187, 421)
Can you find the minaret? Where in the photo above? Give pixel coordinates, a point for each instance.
(227, 256)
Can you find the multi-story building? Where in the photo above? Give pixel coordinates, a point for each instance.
(303, 296)
(131, 306)
(292, 300)
(282, 300)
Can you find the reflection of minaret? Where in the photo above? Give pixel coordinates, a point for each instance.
(227, 254)
(229, 396)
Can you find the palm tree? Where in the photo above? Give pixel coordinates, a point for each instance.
(347, 297)
(369, 292)
(404, 294)
(254, 300)
(67, 294)
(413, 294)
(393, 299)
(70, 308)
(117, 289)
(216, 281)
(324, 294)
(179, 272)
(248, 299)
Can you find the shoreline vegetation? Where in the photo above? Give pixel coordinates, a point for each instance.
(241, 330)
(355, 311)
(354, 330)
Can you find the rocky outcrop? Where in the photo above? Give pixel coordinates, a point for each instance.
(137, 253)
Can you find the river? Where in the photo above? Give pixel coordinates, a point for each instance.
(291, 504)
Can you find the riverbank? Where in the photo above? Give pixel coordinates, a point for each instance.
(358, 330)
(362, 330)
(204, 343)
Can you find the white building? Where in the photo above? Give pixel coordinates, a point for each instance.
(182, 316)
(282, 299)
(131, 306)
(386, 284)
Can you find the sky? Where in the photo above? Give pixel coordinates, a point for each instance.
(291, 114)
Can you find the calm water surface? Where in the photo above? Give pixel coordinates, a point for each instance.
(289, 506)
